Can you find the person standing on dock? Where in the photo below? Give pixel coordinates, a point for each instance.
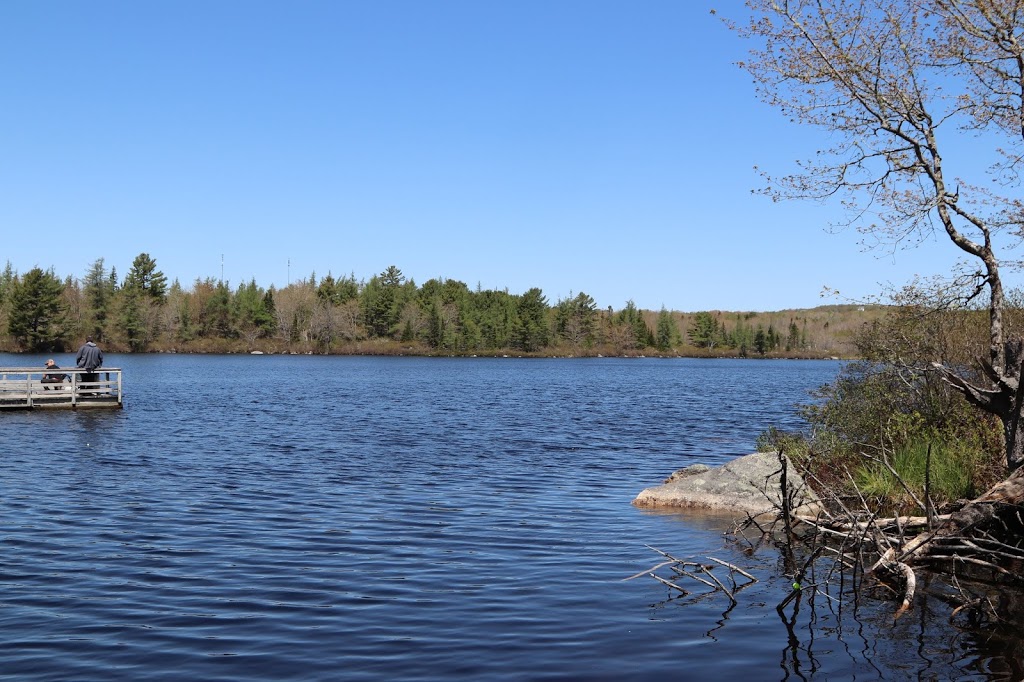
(89, 358)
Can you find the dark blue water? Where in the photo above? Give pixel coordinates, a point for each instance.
(334, 518)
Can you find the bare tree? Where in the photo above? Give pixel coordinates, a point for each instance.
(897, 84)
(412, 321)
(293, 307)
(346, 320)
(322, 327)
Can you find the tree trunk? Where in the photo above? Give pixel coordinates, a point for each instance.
(1014, 430)
(1013, 424)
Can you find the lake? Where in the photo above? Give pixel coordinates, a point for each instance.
(355, 518)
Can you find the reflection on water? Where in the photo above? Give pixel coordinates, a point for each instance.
(328, 518)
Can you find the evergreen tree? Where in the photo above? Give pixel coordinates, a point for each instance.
(212, 309)
(576, 320)
(644, 335)
(531, 329)
(325, 290)
(634, 332)
(760, 340)
(382, 302)
(35, 319)
(6, 287)
(249, 310)
(6, 282)
(704, 333)
(268, 305)
(793, 339)
(346, 289)
(667, 331)
(435, 326)
(144, 276)
(494, 314)
(131, 318)
(98, 292)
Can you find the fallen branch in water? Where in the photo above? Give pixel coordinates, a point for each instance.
(889, 563)
(698, 572)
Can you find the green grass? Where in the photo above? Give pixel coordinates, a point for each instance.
(951, 477)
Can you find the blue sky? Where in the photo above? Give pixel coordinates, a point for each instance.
(571, 145)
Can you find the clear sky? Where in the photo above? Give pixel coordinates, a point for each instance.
(572, 145)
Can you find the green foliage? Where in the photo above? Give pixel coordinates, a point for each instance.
(951, 470)
(330, 314)
(6, 288)
(98, 291)
(576, 320)
(382, 302)
(531, 331)
(337, 291)
(760, 341)
(667, 334)
(131, 318)
(793, 339)
(878, 406)
(144, 277)
(494, 313)
(185, 331)
(213, 317)
(249, 310)
(893, 397)
(705, 330)
(435, 326)
(633, 332)
(36, 319)
(875, 408)
(793, 445)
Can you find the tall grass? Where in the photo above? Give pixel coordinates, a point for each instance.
(952, 475)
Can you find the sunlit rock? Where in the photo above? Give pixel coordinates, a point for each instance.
(744, 485)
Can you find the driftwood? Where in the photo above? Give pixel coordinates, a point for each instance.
(702, 573)
(977, 549)
(983, 540)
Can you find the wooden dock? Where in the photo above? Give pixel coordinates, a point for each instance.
(23, 388)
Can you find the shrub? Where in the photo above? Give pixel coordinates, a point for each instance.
(794, 445)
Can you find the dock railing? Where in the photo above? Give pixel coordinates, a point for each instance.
(25, 387)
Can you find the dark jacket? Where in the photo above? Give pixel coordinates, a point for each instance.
(53, 377)
(89, 356)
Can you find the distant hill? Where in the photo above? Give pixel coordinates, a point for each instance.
(825, 331)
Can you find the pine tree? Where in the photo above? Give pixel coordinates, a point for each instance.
(704, 333)
(531, 330)
(144, 276)
(36, 311)
(131, 319)
(667, 331)
(98, 292)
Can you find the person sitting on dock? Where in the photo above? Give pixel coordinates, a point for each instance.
(52, 378)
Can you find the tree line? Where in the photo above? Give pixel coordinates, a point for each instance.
(389, 313)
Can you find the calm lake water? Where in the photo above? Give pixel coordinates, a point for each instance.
(337, 518)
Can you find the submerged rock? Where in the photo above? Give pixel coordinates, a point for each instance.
(748, 484)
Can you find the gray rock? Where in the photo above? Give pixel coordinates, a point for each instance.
(745, 485)
(691, 470)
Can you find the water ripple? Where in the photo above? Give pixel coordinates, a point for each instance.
(365, 518)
